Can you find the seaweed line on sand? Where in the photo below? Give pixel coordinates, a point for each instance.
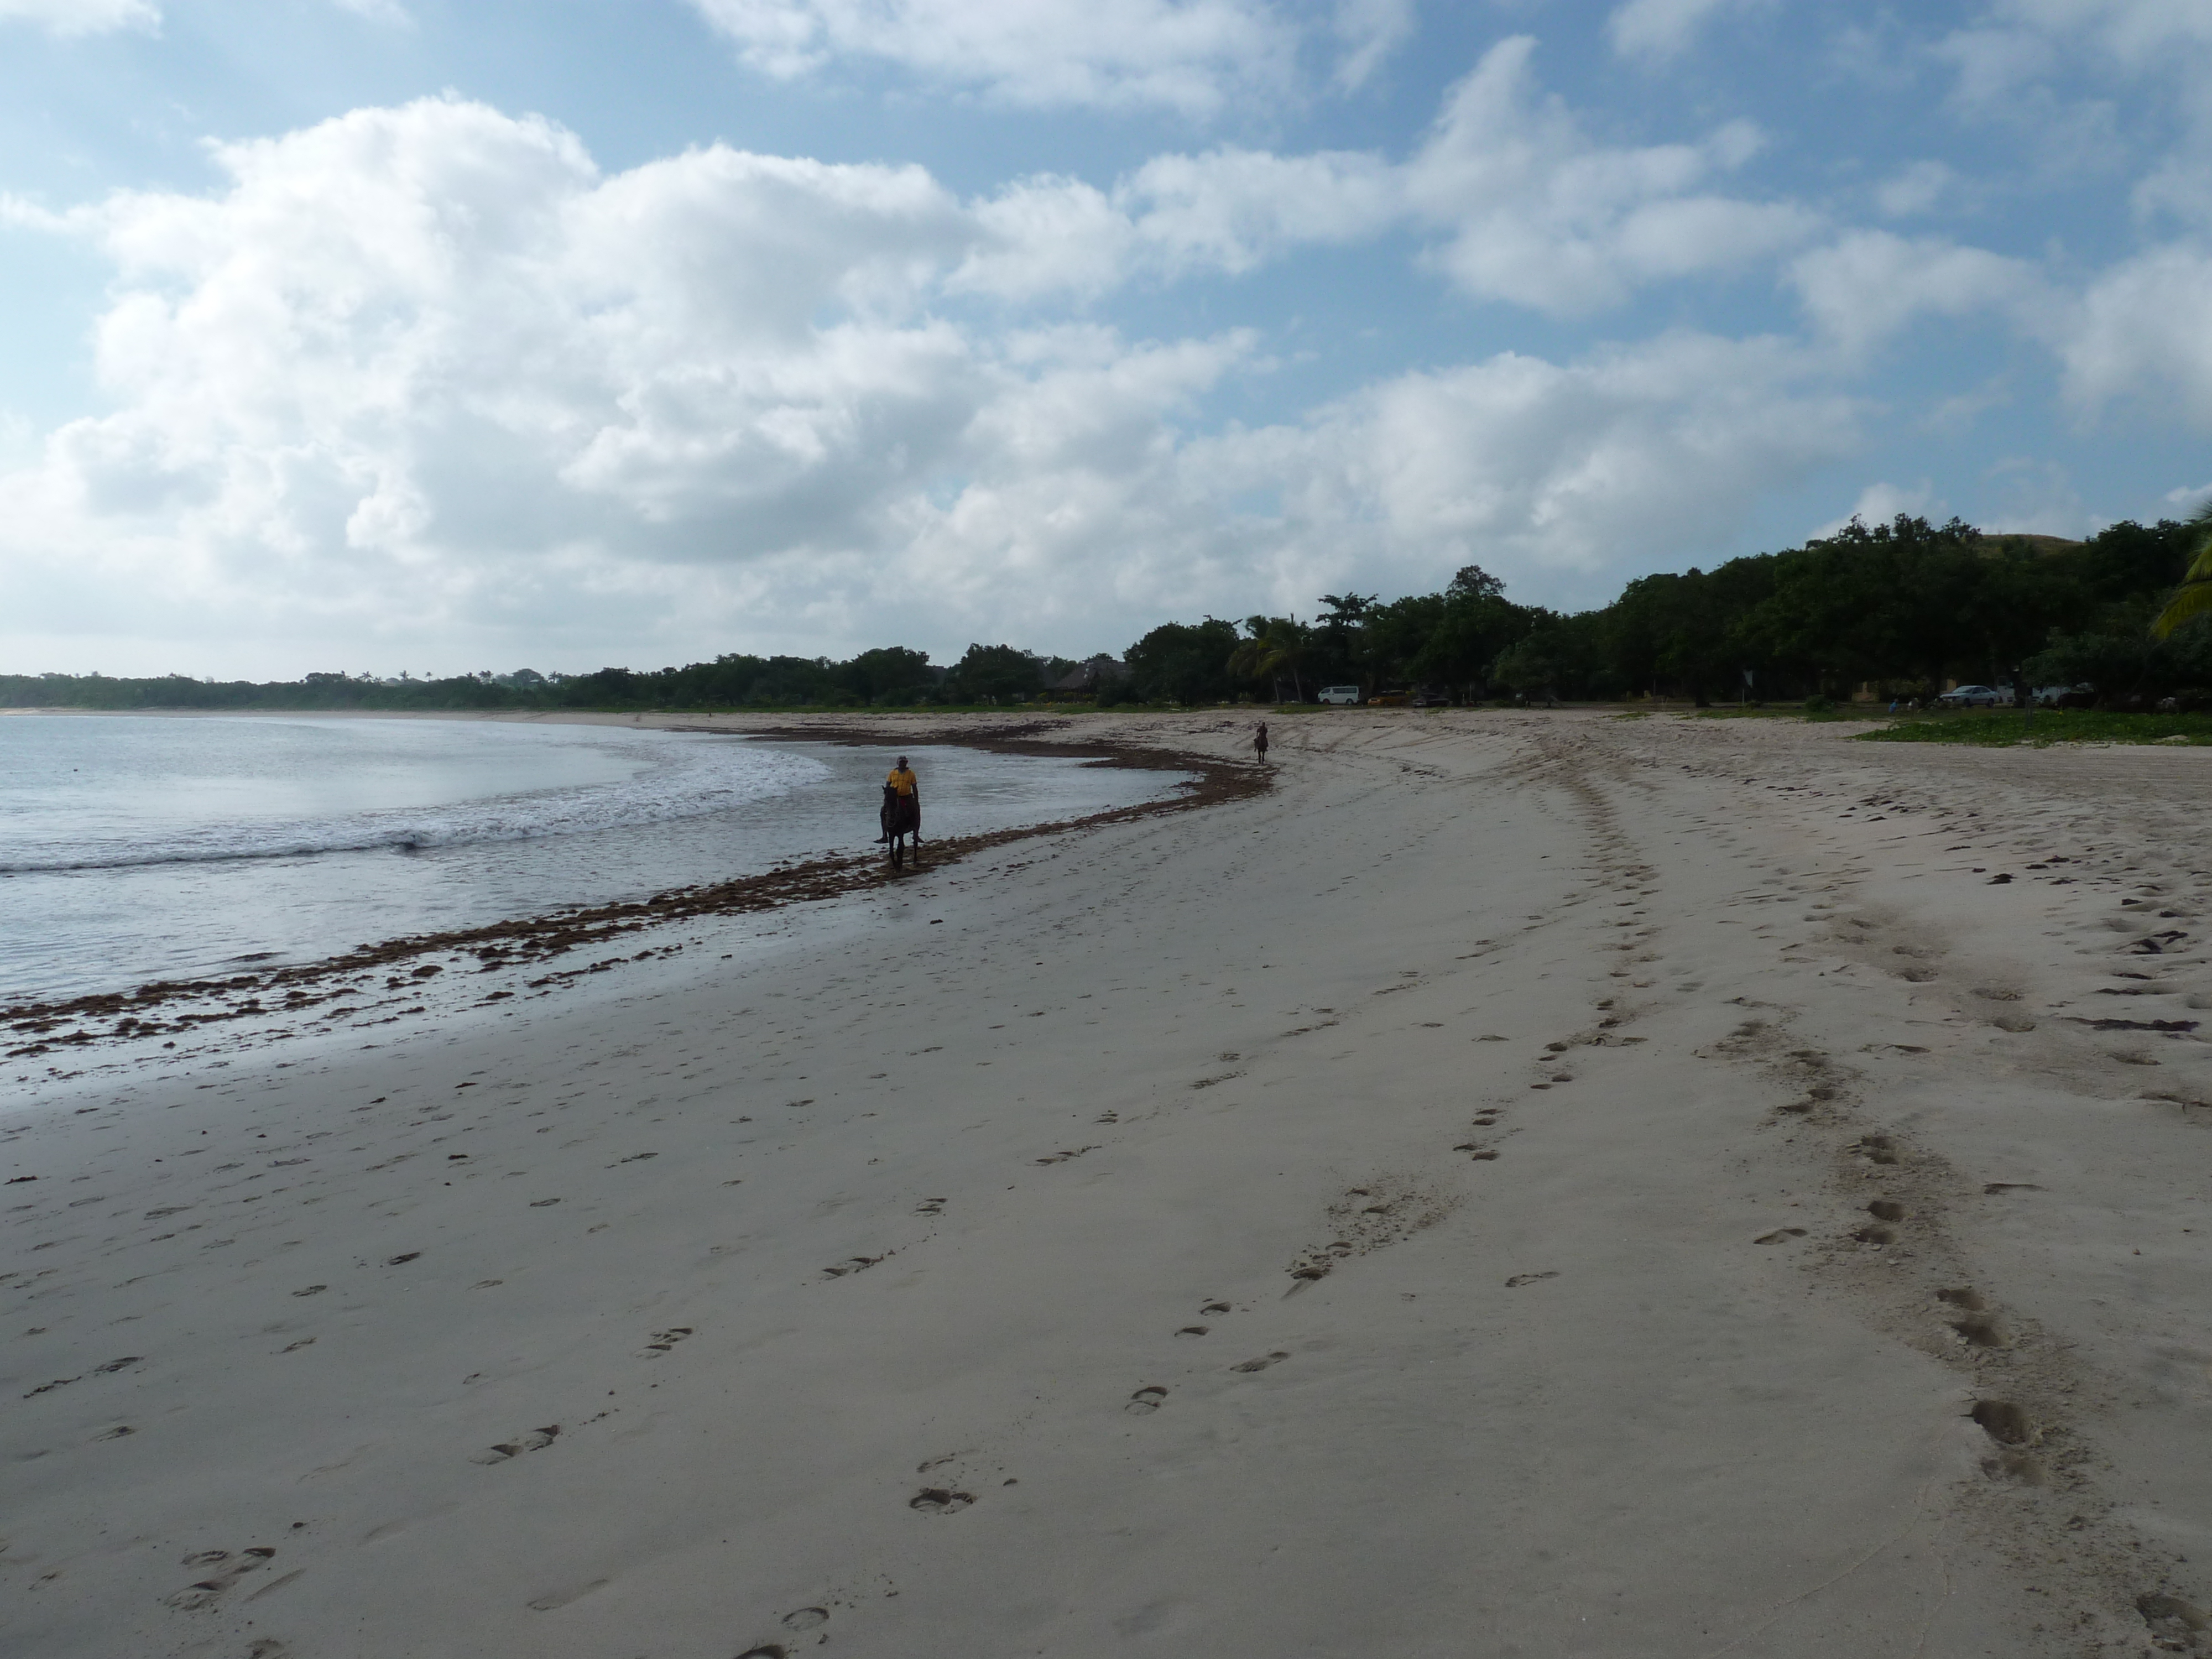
(536, 939)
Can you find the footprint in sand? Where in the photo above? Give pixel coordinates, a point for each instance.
(1216, 1308)
(852, 1265)
(662, 1341)
(1980, 1331)
(940, 1500)
(1778, 1235)
(1193, 1330)
(2176, 1625)
(2007, 1423)
(1261, 1363)
(536, 1440)
(1886, 1209)
(1519, 1280)
(930, 1206)
(1144, 1401)
(227, 1570)
(1877, 1149)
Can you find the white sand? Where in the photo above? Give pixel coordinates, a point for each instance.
(1560, 1401)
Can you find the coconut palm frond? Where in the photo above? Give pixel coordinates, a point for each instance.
(2194, 597)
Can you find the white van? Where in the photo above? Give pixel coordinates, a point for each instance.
(1338, 694)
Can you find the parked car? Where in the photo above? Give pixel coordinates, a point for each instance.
(1973, 696)
(1339, 694)
(1388, 700)
(1427, 697)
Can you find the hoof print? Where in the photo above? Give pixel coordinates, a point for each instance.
(662, 1341)
(1144, 1401)
(1261, 1363)
(852, 1264)
(1192, 1330)
(1778, 1235)
(806, 1618)
(2175, 1625)
(399, 1260)
(1519, 1280)
(940, 1500)
(1980, 1331)
(229, 1569)
(536, 1440)
(1886, 1209)
(1215, 1308)
(2007, 1423)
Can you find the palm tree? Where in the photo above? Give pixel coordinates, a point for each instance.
(1278, 646)
(2194, 597)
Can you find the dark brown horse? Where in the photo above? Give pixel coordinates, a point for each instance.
(902, 818)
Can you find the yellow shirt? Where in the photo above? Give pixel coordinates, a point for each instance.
(902, 779)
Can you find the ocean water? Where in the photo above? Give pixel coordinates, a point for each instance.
(142, 848)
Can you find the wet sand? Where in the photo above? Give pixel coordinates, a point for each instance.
(1528, 1185)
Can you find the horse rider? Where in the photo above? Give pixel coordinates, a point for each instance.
(1259, 745)
(902, 793)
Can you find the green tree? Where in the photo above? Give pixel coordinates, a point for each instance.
(1186, 662)
(890, 673)
(993, 673)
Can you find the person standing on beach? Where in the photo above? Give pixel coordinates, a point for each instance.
(1259, 745)
(902, 802)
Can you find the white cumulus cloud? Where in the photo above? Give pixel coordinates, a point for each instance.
(2144, 329)
(428, 373)
(69, 17)
(1870, 285)
(1192, 55)
(1540, 214)
(1660, 29)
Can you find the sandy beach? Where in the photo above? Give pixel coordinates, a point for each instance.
(1530, 1184)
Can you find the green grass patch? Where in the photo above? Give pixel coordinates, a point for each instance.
(2003, 728)
(1782, 711)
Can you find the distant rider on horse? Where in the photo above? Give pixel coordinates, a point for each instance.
(902, 811)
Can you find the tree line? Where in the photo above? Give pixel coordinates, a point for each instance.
(1904, 606)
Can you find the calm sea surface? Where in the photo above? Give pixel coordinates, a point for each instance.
(134, 849)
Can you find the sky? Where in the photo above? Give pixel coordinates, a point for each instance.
(450, 336)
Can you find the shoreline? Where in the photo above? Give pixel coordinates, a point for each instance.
(537, 939)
